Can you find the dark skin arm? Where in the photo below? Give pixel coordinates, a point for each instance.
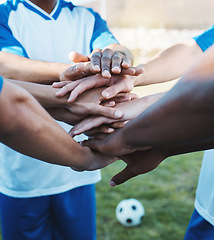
(184, 115)
(141, 162)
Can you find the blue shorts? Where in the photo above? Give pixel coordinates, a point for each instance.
(199, 228)
(66, 216)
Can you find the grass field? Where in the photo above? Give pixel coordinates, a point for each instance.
(167, 194)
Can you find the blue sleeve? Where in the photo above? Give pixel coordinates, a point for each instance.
(1, 83)
(206, 39)
(8, 43)
(102, 36)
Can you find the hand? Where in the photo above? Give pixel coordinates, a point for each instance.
(64, 115)
(93, 160)
(130, 109)
(115, 85)
(139, 162)
(89, 103)
(107, 62)
(114, 145)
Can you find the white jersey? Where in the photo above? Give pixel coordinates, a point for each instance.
(28, 31)
(204, 202)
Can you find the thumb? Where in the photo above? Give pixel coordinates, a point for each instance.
(113, 90)
(92, 144)
(122, 176)
(77, 57)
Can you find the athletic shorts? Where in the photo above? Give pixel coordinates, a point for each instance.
(66, 216)
(199, 228)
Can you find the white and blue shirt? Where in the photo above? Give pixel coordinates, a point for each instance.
(28, 31)
(204, 201)
(1, 83)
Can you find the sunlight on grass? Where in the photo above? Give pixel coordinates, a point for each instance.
(167, 194)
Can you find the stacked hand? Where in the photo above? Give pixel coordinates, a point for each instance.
(97, 91)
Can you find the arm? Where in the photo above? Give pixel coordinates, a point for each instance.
(131, 110)
(26, 127)
(22, 68)
(88, 103)
(184, 115)
(166, 66)
(141, 162)
(170, 64)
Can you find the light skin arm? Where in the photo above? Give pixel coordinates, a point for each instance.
(131, 110)
(26, 127)
(86, 104)
(170, 64)
(183, 115)
(16, 67)
(166, 66)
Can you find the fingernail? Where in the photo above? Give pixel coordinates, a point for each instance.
(58, 93)
(112, 184)
(118, 114)
(106, 73)
(116, 69)
(110, 130)
(97, 68)
(72, 98)
(106, 94)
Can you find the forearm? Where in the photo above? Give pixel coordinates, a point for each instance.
(170, 64)
(27, 128)
(183, 115)
(44, 94)
(16, 67)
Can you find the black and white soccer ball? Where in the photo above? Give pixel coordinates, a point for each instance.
(129, 212)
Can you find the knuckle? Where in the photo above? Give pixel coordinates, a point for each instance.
(107, 51)
(116, 58)
(106, 59)
(97, 55)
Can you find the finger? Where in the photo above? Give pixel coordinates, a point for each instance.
(108, 103)
(96, 60)
(113, 90)
(120, 97)
(106, 63)
(128, 71)
(88, 124)
(86, 85)
(102, 129)
(72, 73)
(116, 63)
(133, 96)
(77, 57)
(78, 71)
(122, 177)
(93, 144)
(60, 84)
(100, 136)
(117, 125)
(67, 88)
(132, 71)
(105, 111)
(138, 70)
(126, 63)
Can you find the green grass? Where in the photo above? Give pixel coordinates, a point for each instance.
(167, 194)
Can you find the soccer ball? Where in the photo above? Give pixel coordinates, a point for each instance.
(129, 212)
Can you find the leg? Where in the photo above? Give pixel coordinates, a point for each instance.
(199, 228)
(25, 218)
(74, 214)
